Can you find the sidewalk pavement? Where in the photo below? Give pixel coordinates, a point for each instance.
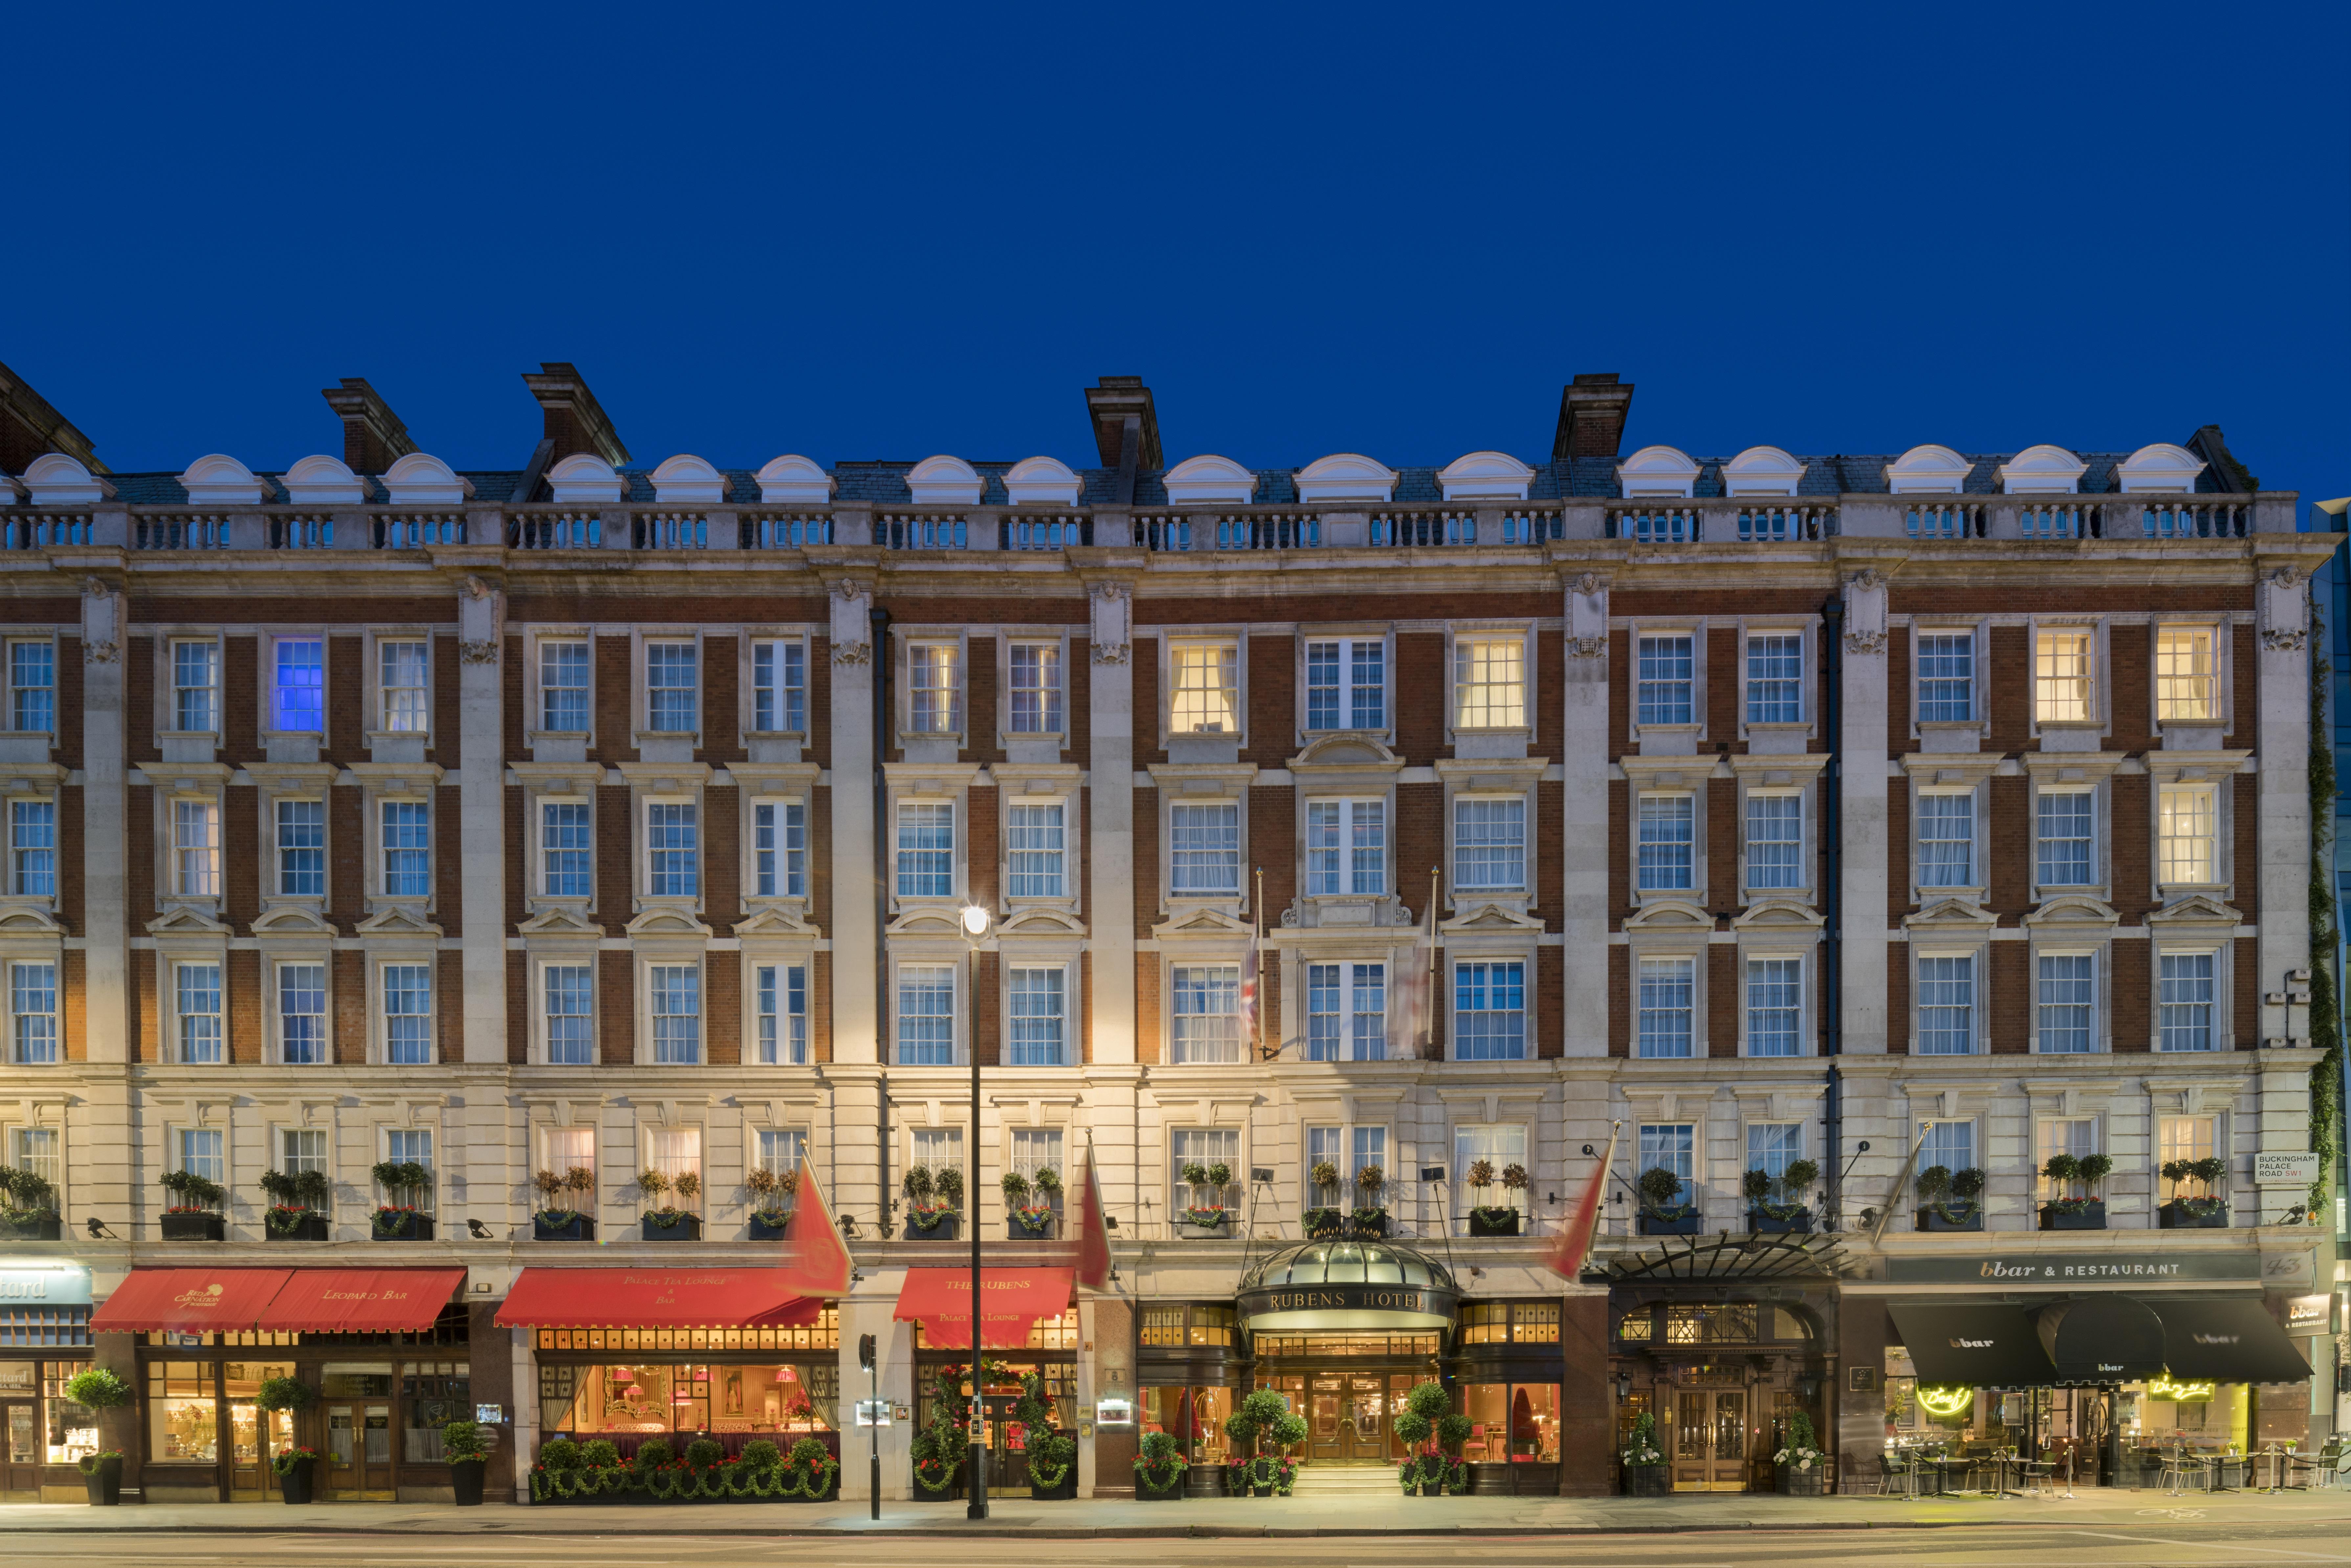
(1330, 1514)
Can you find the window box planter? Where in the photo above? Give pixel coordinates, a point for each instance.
(768, 1228)
(1761, 1222)
(1205, 1480)
(1793, 1482)
(1372, 1226)
(400, 1225)
(2092, 1217)
(1648, 1480)
(1018, 1229)
(33, 1227)
(2178, 1216)
(1323, 1223)
(578, 1227)
(193, 1226)
(308, 1226)
(1685, 1223)
(1935, 1219)
(1493, 1222)
(944, 1228)
(682, 1227)
(1192, 1230)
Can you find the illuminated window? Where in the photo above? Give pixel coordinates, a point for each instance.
(1036, 687)
(2185, 837)
(1207, 688)
(2060, 677)
(1490, 683)
(402, 667)
(2187, 688)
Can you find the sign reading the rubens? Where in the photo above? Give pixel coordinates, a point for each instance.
(2039, 1269)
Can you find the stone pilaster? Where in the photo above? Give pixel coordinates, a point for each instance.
(1109, 896)
(1862, 810)
(1584, 805)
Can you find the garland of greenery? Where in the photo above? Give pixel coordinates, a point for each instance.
(667, 1218)
(1159, 1457)
(1276, 1470)
(285, 1464)
(89, 1464)
(679, 1481)
(555, 1218)
(1493, 1213)
(1205, 1217)
(282, 1220)
(2325, 1014)
(1319, 1223)
(396, 1221)
(920, 1217)
(1435, 1470)
(2074, 1205)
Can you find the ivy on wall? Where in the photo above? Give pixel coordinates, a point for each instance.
(2325, 1016)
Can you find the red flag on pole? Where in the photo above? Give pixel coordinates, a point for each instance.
(1093, 1235)
(1574, 1242)
(816, 1260)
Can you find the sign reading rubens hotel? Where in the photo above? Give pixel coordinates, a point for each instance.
(2062, 1269)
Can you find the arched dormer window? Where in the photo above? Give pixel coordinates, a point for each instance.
(687, 480)
(1658, 470)
(1927, 471)
(1486, 476)
(220, 480)
(794, 481)
(944, 481)
(2161, 467)
(1345, 477)
(1041, 481)
(1209, 478)
(2042, 471)
(323, 481)
(1763, 471)
(584, 479)
(420, 479)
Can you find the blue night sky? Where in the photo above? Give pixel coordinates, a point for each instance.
(883, 232)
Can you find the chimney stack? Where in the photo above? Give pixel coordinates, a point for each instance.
(1592, 410)
(1112, 404)
(373, 438)
(29, 427)
(575, 421)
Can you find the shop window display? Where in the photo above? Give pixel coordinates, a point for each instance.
(654, 1397)
(434, 1394)
(1195, 1418)
(73, 1426)
(1511, 1423)
(183, 1412)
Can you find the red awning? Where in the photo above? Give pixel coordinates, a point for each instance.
(189, 1301)
(1015, 1298)
(362, 1301)
(656, 1298)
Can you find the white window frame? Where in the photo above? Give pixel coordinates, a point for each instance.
(2216, 682)
(273, 1003)
(377, 712)
(174, 883)
(1530, 1024)
(1238, 895)
(267, 655)
(958, 840)
(428, 1199)
(379, 865)
(1351, 810)
(1973, 631)
(1979, 983)
(534, 682)
(1693, 1040)
(958, 689)
(273, 827)
(8, 680)
(1801, 630)
(780, 642)
(542, 1028)
(958, 1005)
(1802, 888)
(1641, 631)
(167, 686)
(647, 961)
(2095, 795)
(647, 803)
(1348, 642)
(1004, 644)
(2215, 799)
(1352, 1042)
(1525, 802)
(2223, 993)
(1695, 889)
(16, 881)
(790, 1052)
(1462, 636)
(2096, 954)
(1973, 883)
(1170, 644)
(1011, 803)
(538, 857)
(789, 886)
(2093, 635)
(379, 1005)
(1749, 958)
(1012, 963)
(645, 641)
(1173, 964)
(170, 1001)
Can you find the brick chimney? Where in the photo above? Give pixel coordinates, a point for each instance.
(1592, 410)
(1111, 403)
(373, 438)
(575, 421)
(29, 427)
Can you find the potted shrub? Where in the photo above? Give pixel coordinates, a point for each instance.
(1370, 1215)
(773, 1196)
(1645, 1462)
(1663, 1210)
(1025, 1221)
(1433, 1435)
(293, 1214)
(1800, 1468)
(1324, 1219)
(101, 1473)
(1205, 1217)
(1778, 1206)
(558, 1216)
(668, 1221)
(1950, 1199)
(468, 1453)
(932, 1215)
(939, 1449)
(193, 1215)
(32, 1213)
(809, 1472)
(1496, 1220)
(295, 1470)
(1264, 1416)
(1052, 1455)
(1159, 1468)
(401, 1217)
(2070, 1210)
(2203, 1210)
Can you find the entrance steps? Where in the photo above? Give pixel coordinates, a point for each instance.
(1347, 1480)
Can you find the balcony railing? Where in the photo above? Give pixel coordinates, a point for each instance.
(2196, 521)
(1944, 521)
(795, 530)
(179, 530)
(1655, 525)
(1044, 533)
(898, 531)
(1533, 527)
(419, 530)
(554, 530)
(36, 530)
(669, 531)
(2062, 520)
(1783, 525)
(1417, 530)
(300, 531)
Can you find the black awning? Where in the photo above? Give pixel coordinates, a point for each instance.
(2101, 1338)
(1987, 1346)
(2228, 1342)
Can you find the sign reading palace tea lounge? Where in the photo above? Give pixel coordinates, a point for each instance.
(2041, 1270)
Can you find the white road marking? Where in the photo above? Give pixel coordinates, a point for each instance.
(2232, 1545)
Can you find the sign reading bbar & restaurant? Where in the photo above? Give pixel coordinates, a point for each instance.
(2062, 1269)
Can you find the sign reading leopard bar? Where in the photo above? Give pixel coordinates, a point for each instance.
(2061, 1268)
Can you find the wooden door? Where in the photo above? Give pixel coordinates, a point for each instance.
(1326, 1397)
(1710, 1452)
(20, 1450)
(1366, 1418)
(359, 1452)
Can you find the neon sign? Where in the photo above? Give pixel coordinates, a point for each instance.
(1946, 1401)
(2165, 1388)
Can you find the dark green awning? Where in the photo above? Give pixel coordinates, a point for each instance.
(1987, 1345)
(2233, 1341)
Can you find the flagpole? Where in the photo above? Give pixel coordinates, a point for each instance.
(1257, 979)
(1428, 980)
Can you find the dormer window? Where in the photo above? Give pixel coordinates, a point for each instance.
(1346, 684)
(195, 685)
(401, 664)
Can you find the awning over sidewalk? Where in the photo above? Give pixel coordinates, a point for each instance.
(2228, 1342)
(1988, 1346)
(319, 1301)
(189, 1301)
(2101, 1338)
(656, 1298)
(1014, 1300)
(362, 1301)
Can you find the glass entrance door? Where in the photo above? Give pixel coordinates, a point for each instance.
(254, 1436)
(1710, 1439)
(20, 1448)
(1347, 1415)
(359, 1452)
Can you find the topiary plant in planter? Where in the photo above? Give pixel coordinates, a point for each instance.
(1159, 1468)
(1799, 1459)
(2196, 1210)
(2075, 1204)
(1434, 1433)
(468, 1453)
(1663, 1210)
(1371, 1215)
(101, 1390)
(401, 1216)
(1644, 1463)
(1948, 1199)
(1263, 1416)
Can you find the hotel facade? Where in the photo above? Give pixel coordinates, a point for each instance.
(1359, 847)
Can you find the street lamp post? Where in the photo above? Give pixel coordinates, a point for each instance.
(975, 932)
